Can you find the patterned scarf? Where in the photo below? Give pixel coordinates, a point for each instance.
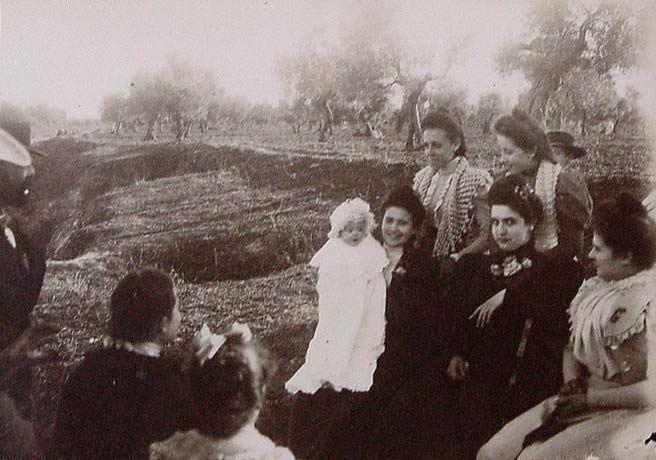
(457, 205)
(546, 231)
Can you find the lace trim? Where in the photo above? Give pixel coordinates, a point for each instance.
(614, 341)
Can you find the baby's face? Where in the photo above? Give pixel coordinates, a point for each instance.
(354, 232)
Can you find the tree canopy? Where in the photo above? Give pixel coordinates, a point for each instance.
(569, 48)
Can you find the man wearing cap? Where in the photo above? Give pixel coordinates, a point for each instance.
(562, 144)
(22, 265)
(22, 268)
(565, 151)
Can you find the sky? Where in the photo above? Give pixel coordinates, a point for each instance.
(71, 53)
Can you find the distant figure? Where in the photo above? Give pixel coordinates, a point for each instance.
(124, 395)
(22, 268)
(341, 358)
(562, 145)
(228, 381)
(22, 264)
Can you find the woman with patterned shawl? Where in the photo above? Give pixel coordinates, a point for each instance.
(609, 367)
(452, 191)
(567, 203)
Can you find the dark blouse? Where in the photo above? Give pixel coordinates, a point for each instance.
(573, 212)
(117, 403)
(533, 312)
(22, 268)
(412, 320)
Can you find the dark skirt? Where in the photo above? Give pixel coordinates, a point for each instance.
(326, 424)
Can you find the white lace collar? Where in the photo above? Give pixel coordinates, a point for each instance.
(150, 349)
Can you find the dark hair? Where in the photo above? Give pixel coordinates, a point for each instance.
(625, 226)
(441, 120)
(139, 303)
(230, 387)
(404, 197)
(525, 132)
(515, 192)
(12, 193)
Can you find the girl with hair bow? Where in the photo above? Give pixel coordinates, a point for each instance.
(228, 382)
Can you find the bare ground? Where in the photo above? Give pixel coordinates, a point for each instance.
(234, 224)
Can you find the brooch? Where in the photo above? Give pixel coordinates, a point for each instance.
(510, 266)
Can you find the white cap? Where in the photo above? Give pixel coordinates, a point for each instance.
(352, 210)
(13, 151)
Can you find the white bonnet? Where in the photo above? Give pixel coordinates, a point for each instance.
(352, 210)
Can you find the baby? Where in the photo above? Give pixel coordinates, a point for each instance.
(228, 380)
(350, 332)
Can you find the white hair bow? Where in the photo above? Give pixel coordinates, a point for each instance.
(207, 343)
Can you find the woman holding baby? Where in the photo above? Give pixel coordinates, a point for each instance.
(397, 310)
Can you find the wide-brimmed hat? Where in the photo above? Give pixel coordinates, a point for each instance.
(566, 142)
(22, 132)
(13, 151)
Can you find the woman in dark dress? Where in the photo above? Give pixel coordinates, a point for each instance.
(124, 396)
(410, 314)
(412, 331)
(498, 344)
(606, 408)
(508, 313)
(411, 310)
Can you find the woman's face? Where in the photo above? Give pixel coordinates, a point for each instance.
(509, 229)
(439, 149)
(397, 227)
(514, 158)
(609, 265)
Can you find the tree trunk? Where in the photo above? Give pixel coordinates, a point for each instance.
(414, 130)
(150, 129)
(584, 121)
(539, 95)
(616, 123)
(487, 123)
(187, 128)
(178, 127)
(328, 116)
(400, 121)
(409, 141)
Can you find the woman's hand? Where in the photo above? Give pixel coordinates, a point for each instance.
(458, 368)
(483, 314)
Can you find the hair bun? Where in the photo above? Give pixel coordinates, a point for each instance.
(629, 205)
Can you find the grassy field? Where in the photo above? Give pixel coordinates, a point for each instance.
(235, 218)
